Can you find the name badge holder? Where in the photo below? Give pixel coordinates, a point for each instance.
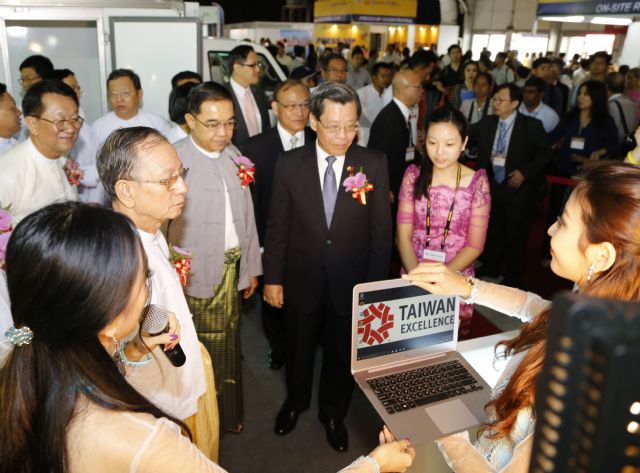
(439, 256)
(577, 143)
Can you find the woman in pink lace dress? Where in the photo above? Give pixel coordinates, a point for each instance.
(444, 207)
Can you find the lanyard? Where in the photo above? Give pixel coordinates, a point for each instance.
(449, 216)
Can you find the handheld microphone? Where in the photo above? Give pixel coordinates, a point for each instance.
(156, 322)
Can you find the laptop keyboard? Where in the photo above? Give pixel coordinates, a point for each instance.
(402, 391)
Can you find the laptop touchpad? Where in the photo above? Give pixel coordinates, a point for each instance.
(451, 416)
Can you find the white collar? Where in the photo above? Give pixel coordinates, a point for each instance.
(322, 154)
(510, 119)
(208, 154)
(406, 111)
(38, 156)
(285, 137)
(238, 89)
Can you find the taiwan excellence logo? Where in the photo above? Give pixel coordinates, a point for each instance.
(375, 322)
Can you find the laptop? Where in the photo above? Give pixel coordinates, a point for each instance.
(404, 358)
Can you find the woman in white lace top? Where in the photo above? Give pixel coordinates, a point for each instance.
(595, 244)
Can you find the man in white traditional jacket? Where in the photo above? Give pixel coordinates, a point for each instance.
(32, 173)
(124, 91)
(144, 179)
(9, 120)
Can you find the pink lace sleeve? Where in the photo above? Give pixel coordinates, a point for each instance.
(405, 199)
(480, 210)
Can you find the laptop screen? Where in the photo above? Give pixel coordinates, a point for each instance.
(403, 318)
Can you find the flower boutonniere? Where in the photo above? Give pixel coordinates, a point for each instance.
(181, 262)
(73, 172)
(5, 232)
(246, 170)
(357, 184)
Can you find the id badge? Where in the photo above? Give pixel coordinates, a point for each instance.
(410, 154)
(433, 256)
(499, 160)
(577, 143)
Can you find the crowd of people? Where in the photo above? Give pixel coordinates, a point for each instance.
(417, 166)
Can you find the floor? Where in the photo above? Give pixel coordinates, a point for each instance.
(258, 449)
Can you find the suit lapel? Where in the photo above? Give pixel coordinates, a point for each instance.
(311, 182)
(514, 135)
(351, 159)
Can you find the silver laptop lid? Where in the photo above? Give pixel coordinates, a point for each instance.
(394, 321)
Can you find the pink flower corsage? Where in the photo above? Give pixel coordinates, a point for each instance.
(246, 170)
(5, 232)
(357, 184)
(181, 261)
(73, 172)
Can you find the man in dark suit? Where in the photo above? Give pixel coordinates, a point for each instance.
(514, 149)
(291, 105)
(321, 241)
(394, 130)
(251, 105)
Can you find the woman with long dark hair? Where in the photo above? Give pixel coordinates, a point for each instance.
(590, 134)
(77, 279)
(444, 207)
(474, 109)
(464, 90)
(595, 244)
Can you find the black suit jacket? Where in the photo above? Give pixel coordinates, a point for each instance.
(529, 149)
(264, 150)
(302, 254)
(241, 134)
(390, 134)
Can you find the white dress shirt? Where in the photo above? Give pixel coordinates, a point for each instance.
(84, 152)
(285, 138)
(544, 113)
(6, 144)
(103, 126)
(174, 389)
(240, 91)
(30, 180)
(230, 235)
(372, 102)
(410, 114)
(338, 164)
(510, 122)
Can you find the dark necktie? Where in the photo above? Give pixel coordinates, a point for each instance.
(329, 189)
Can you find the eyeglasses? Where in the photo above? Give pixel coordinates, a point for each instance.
(170, 183)
(336, 129)
(64, 124)
(339, 71)
(252, 65)
(500, 99)
(291, 107)
(125, 94)
(28, 80)
(215, 126)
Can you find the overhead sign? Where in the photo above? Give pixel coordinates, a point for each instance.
(365, 11)
(591, 7)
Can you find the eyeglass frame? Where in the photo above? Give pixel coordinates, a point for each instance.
(257, 64)
(182, 174)
(29, 80)
(335, 129)
(495, 98)
(215, 127)
(71, 121)
(291, 107)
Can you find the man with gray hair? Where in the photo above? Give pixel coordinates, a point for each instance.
(324, 235)
(145, 180)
